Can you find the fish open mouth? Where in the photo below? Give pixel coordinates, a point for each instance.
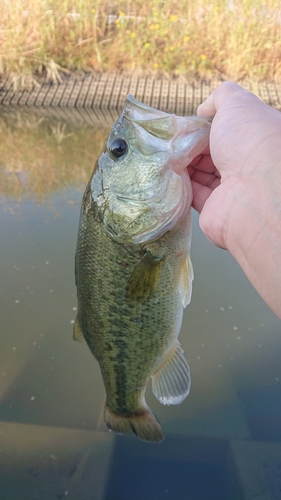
(183, 138)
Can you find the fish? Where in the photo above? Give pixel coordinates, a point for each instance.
(132, 264)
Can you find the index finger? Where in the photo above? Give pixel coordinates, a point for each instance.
(203, 162)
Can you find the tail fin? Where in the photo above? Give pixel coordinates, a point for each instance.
(144, 424)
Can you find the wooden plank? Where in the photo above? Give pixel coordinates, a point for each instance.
(140, 89)
(172, 97)
(205, 90)
(255, 88)
(4, 83)
(124, 91)
(3, 94)
(33, 96)
(246, 84)
(8, 97)
(181, 99)
(46, 95)
(278, 93)
(163, 102)
(54, 98)
(117, 92)
(156, 94)
(74, 93)
(16, 98)
(100, 89)
(148, 91)
(188, 99)
(42, 94)
(108, 90)
(197, 98)
(263, 94)
(133, 86)
(92, 91)
(67, 93)
(272, 95)
(7, 92)
(24, 97)
(84, 91)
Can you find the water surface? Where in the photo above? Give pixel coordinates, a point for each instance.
(222, 442)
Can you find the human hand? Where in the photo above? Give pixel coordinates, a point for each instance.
(237, 185)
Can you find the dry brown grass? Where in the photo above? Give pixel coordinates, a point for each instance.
(234, 39)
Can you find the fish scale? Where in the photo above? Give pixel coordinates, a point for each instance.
(133, 281)
(113, 321)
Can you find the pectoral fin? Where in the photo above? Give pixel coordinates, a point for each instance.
(77, 332)
(186, 279)
(171, 382)
(144, 278)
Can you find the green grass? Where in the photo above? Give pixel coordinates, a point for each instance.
(233, 39)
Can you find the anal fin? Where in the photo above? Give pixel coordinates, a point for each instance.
(171, 382)
(77, 332)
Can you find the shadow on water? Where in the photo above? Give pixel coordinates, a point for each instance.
(184, 467)
(222, 442)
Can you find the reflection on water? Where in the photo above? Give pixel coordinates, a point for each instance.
(39, 157)
(222, 442)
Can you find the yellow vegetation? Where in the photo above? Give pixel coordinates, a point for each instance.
(231, 38)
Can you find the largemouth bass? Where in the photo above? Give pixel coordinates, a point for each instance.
(133, 267)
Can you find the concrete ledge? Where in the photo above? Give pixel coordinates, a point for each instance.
(258, 465)
(41, 462)
(108, 91)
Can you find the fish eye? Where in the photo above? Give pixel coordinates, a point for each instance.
(118, 148)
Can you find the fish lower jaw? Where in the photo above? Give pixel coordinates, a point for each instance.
(156, 232)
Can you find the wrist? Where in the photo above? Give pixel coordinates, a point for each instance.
(253, 237)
